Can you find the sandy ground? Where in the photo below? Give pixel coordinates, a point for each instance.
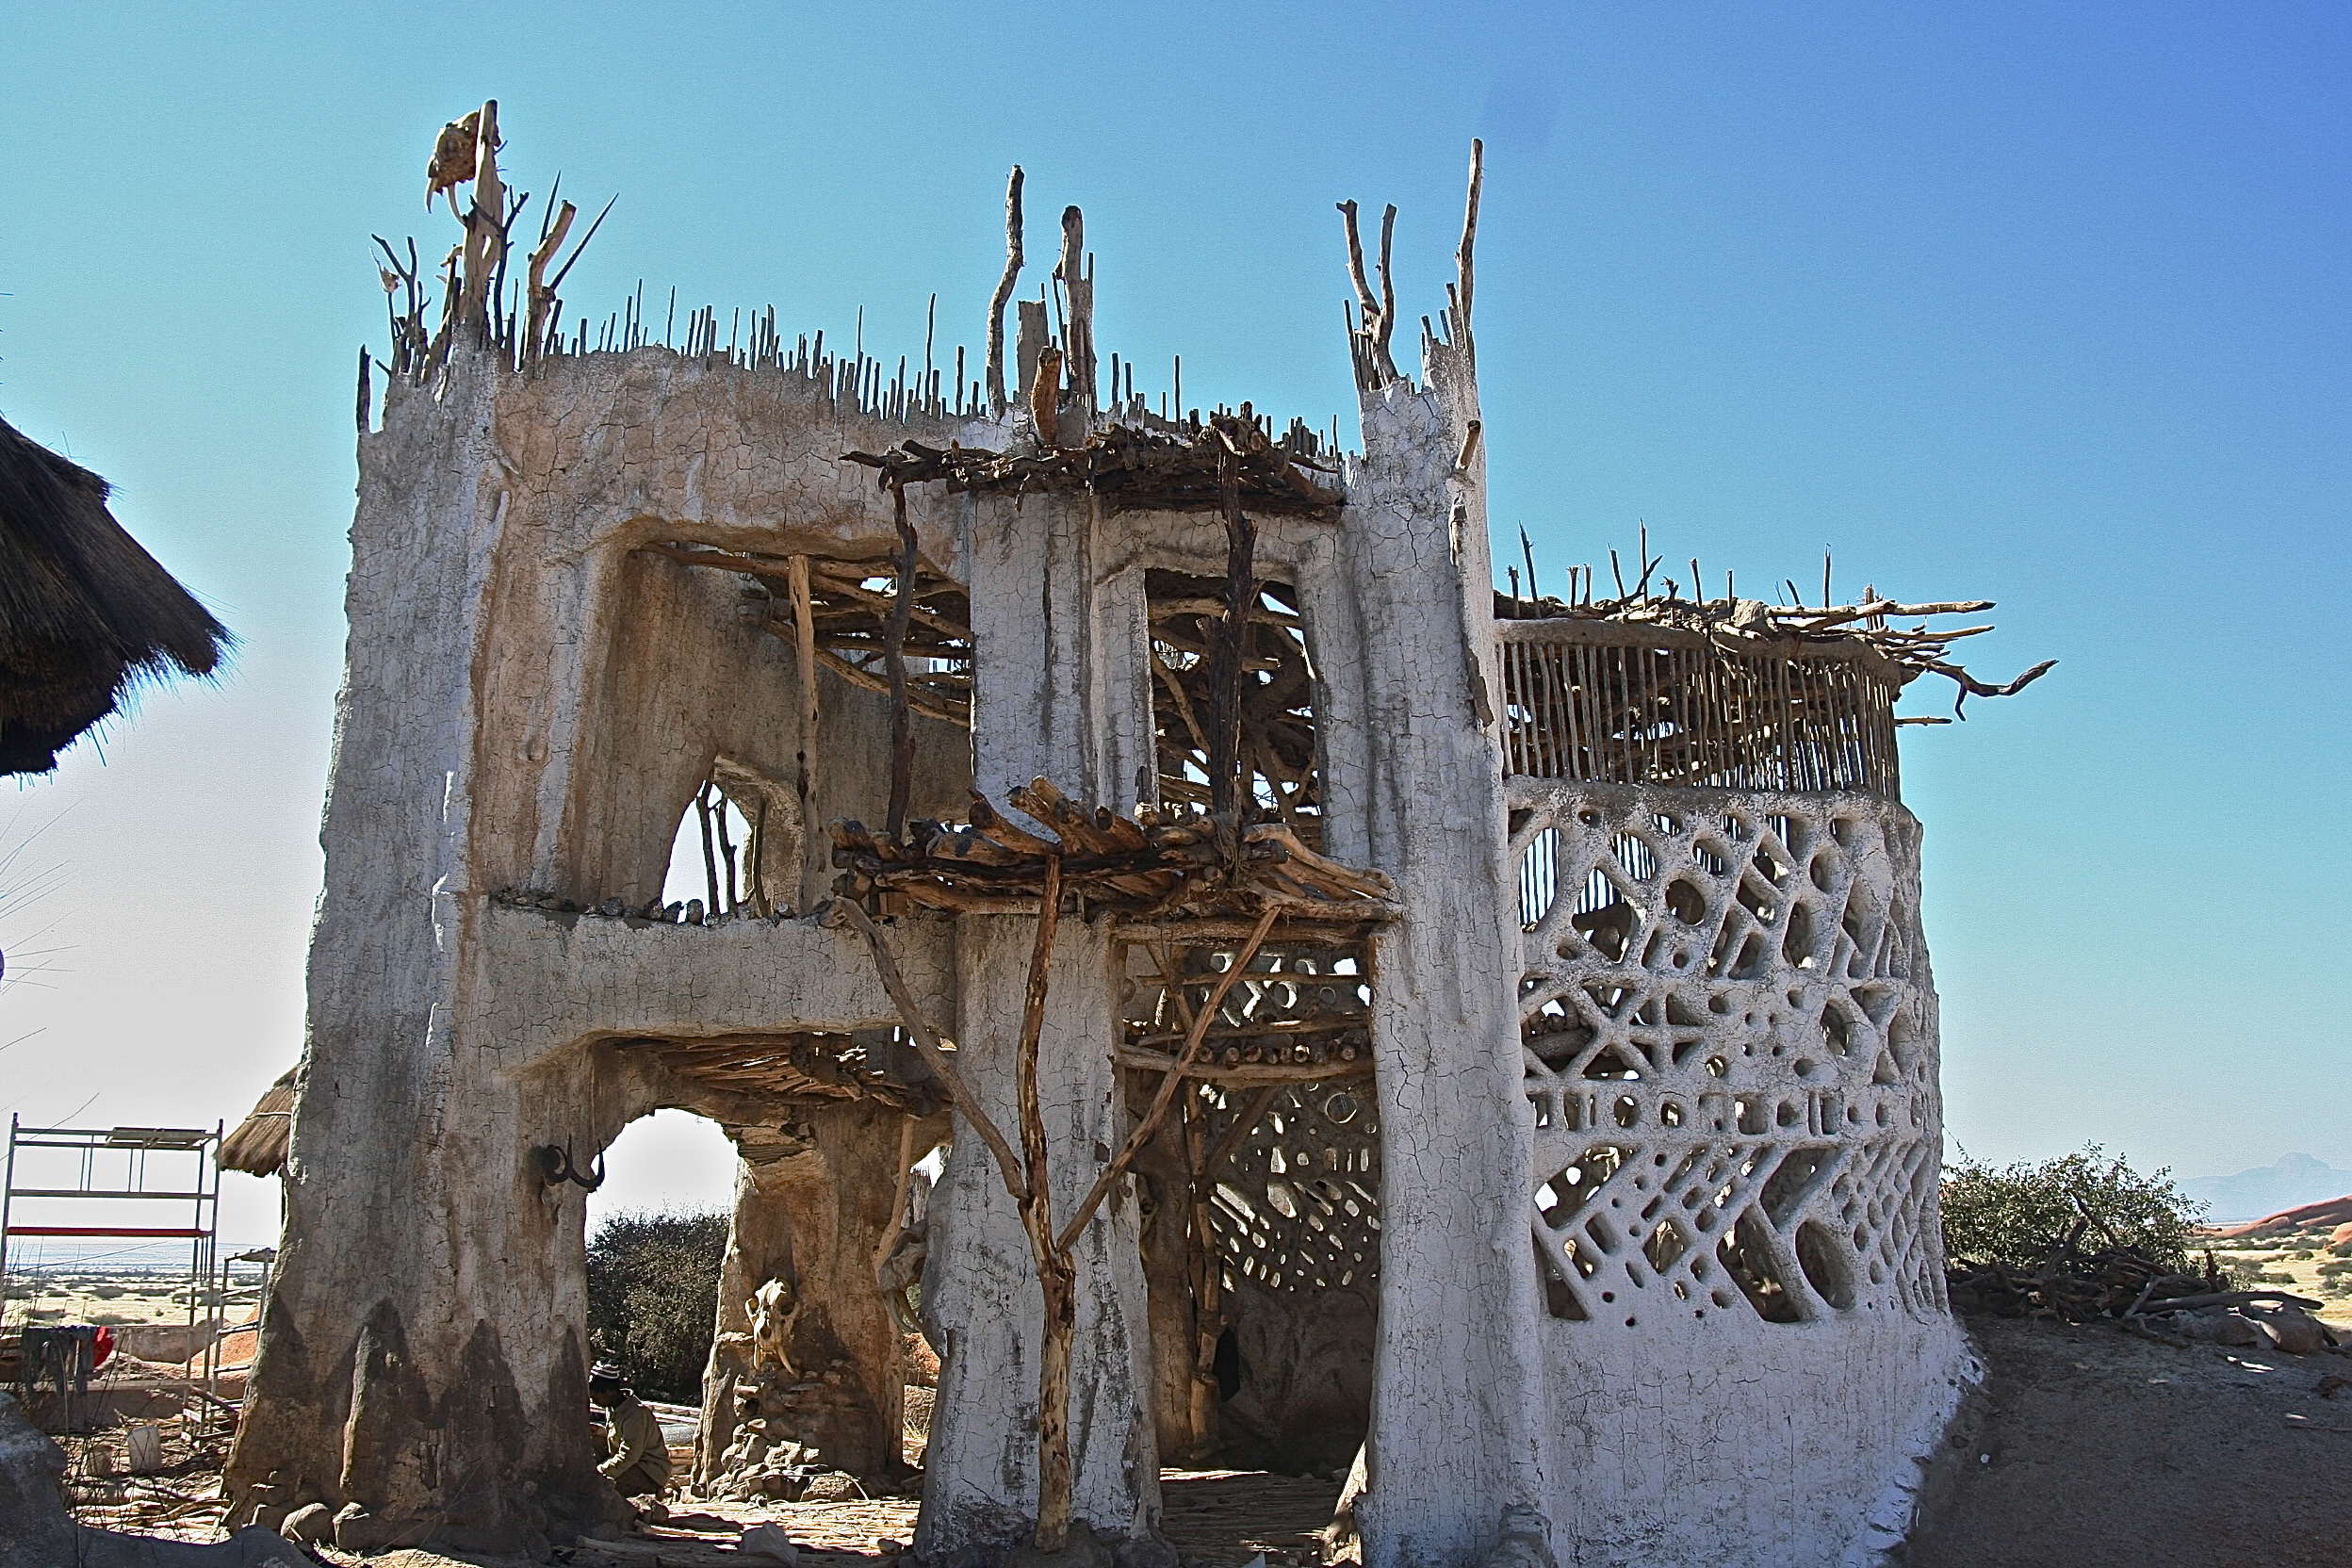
(2084, 1448)
(114, 1300)
(2088, 1448)
(2298, 1263)
(1215, 1518)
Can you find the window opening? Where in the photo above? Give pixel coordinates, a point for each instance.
(1281, 748)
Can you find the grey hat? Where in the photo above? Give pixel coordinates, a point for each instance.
(607, 1372)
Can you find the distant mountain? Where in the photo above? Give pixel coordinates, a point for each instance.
(2251, 1194)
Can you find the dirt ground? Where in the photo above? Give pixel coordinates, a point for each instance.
(1215, 1518)
(2088, 1448)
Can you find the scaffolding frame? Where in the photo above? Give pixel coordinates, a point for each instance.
(96, 1145)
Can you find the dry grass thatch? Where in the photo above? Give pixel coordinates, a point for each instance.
(85, 613)
(258, 1145)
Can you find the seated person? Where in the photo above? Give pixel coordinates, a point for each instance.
(638, 1462)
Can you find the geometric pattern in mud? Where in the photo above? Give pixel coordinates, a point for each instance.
(1729, 1033)
(1293, 1157)
(1296, 1207)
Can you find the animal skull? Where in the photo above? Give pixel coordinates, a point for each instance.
(772, 1309)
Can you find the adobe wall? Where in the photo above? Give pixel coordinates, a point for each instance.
(528, 705)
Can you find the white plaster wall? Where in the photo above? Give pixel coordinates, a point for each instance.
(1686, 1091)
(1743, 1444)
(422, 1354)
(981, 1295)
(1057, 687)
(549, 981)
(1455, 1454)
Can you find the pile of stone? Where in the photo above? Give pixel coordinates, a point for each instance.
(758, 1468)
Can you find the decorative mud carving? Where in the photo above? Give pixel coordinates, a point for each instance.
(1728, 1031)
(1297, 1207)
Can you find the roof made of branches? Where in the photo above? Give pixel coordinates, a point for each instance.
(85, 613)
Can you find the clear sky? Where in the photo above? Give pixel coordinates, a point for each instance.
(2038, 303)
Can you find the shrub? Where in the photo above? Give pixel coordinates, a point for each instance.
(653, 1296)
(2013, 1215)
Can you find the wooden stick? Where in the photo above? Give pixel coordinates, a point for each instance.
(1168, 1085)
(1246, 1074)
(537, 295)
(1056, 1275)
(2231, 1299)
(1229, 649)
(805, 637)
(1251, 1114)
(926, 1042)
(898, 1201)
(894, 657)
(1003, 291)
(710, 857)
(1462, 269)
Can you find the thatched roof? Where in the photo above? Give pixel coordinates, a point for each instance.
(258, 1145)
(85, 613)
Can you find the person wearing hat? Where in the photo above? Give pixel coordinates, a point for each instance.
(639, 1457)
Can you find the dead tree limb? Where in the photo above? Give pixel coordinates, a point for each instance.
(486, 225)
(1170, 1083)
(538, 293)
(1056, 1273)
(926, 1042)
(894, 659)
(804, 651)
(1462, 259)
(1003, 291)
(1226, 652)
(710, 856)
(1376, 312)
(1078, 287)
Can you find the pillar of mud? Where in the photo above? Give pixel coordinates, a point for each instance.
(1059, 695)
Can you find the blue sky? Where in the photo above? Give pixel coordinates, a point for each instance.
(2043, 304)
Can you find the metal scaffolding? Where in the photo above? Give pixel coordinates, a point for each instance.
(114, 1164)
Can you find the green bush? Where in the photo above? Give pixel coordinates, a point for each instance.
(653, 1296)
(2015, 1214)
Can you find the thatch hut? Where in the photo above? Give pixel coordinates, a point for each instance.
(258, 1145)
(85, 613)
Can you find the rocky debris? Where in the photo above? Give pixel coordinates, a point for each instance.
(36, 1531)
(768, 1543)
(756, 1466)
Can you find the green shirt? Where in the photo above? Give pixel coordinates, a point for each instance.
(632, 1433)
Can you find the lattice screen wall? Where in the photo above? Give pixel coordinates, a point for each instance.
(1730, 1049)
(1285, 1123)
(1298, 1206)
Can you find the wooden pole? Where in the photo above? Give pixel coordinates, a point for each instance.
(1004, 292)
(710, 856)
(1057, 1277)
(805, 656)
(894, 657)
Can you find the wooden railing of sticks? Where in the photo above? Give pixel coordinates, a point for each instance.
(1166, 867)
(1177, 466)
(801, 1067)
(1864, 632)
